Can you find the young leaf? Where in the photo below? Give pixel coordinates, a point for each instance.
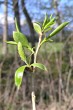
(47, 29)
(45, 20)
(46, 40)
(31, 49)
(50, 16)
(19, 76)
(49, 40)
(19, 37)
(49, 24)
(37, 28)
(16, 25)
(11, 42)
(39, 65)
(59, 28)
(21, 52)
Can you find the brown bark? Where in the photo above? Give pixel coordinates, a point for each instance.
(16, 13)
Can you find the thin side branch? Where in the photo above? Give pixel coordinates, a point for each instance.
(36, 52)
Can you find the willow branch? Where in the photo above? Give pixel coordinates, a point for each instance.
(38, 46)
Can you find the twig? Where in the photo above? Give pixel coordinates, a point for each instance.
(35, 58)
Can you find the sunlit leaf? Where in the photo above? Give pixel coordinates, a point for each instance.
(11, 42)
(21, 52)
(19, 37)
(49, 40)
(46, 40)
(51, 17)
(49, 24)
(19, 75)
(39, 65)
(45, 20)
(37, 28)
(47, 29)
(59, 28)
(31, 49)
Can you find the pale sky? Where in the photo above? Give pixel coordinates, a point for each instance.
(10, 19)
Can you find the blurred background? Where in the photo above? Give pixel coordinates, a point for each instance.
(54, 88)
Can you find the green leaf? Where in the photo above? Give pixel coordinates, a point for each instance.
(21, 52)
(11, 42)
(16, 25)
(59, 28)
(49, 23)
(31, 49)
(51, 17)
(49, 40)
(19, 37)
(37, 28)
(19, 75)
(45, 20)
(39, 65)
(46, 40)
(47, 29)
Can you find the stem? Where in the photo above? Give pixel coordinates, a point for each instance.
(35, 58)
(33, 101)
(35, 55)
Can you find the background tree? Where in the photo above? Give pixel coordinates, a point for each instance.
(29, 21)
(16, 12)
(5, 33)
(58, 15)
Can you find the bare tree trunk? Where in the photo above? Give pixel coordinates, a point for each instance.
(5, 33)
(16, 13)
(17, 17)
(58, 21)
(29, 21)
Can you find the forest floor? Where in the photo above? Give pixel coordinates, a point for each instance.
(48, 96)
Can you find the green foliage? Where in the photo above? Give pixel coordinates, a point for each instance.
(37, 28)
(19, 37)
(47, 26)
(21, 41)
(11, 42)
(21, 52)
(59, 28)
(19, 76)
(48, 21)
(39, 65)
(46, 40)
